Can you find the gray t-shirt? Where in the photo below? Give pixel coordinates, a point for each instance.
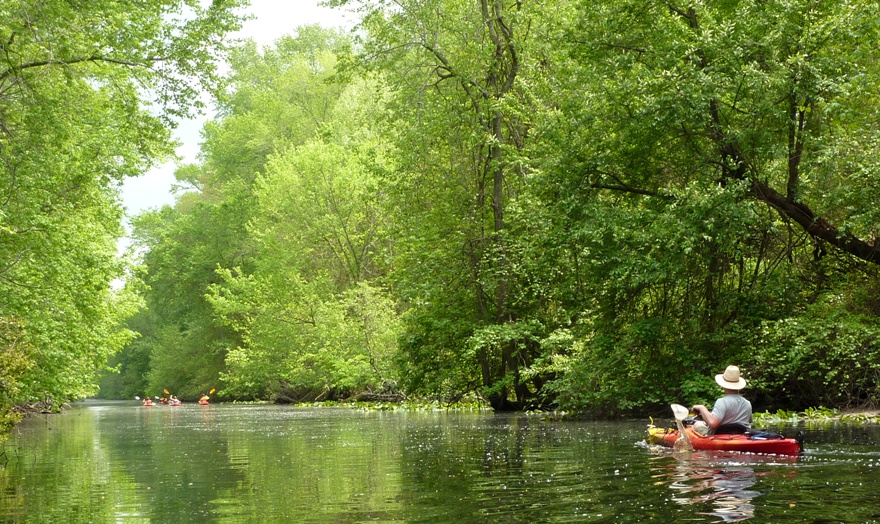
(733, 409)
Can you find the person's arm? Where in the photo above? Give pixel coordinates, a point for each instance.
(711, 420)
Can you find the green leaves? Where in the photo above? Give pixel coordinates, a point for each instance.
(592, 205)
(87, 91)
(826, 357)
(16, 359)
(270, 274)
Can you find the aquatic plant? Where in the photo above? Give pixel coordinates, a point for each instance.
(813, 418)
(820, 413)
(781, 418)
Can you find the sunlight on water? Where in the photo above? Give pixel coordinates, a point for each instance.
(120, 462)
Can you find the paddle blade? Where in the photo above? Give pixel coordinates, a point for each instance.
(166, 391)
(679, 411)
(137, 397)
(682, 444)
(212, 391)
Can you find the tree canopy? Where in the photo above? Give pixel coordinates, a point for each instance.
(587, 205)
(87, 94)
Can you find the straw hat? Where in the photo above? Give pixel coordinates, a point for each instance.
(731, 379)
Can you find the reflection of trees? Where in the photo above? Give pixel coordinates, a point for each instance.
(59, 471)
(158, 451)
(698, 479)
(726, 489)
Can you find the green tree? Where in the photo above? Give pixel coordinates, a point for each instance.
(273, 101)
(459, 73)
(714, 155)
(316, 320)
(17, 360)
(87, 94)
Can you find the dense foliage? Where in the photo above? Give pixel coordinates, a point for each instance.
(591, 205)
(87, 93)
(717, 143)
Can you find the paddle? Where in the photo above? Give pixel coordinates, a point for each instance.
(682, 443)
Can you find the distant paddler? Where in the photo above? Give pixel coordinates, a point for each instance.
(203, 400)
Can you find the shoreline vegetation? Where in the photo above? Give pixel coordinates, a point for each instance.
(811, 417)
(781, 417)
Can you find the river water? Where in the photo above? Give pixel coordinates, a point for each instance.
(108, 462)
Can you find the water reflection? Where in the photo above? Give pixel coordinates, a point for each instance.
(726, 489)
(715, 484)
(230, 464)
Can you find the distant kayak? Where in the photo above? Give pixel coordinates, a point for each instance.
(203, 400)
(755, 442)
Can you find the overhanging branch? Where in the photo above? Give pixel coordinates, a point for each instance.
(815, 226)
(94, 58)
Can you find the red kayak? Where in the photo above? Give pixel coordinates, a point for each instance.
(768, 443)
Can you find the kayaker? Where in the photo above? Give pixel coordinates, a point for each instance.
(732, 413)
